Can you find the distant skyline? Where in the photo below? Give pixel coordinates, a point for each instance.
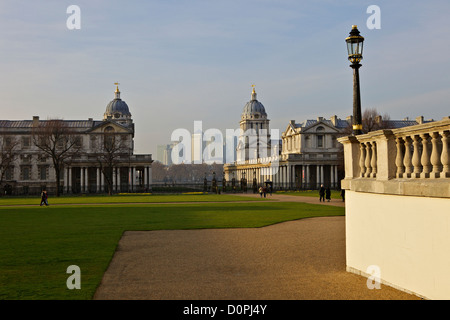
(182, 61)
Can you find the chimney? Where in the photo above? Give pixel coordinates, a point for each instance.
(334, 120)
(35, 121)
(419, 120)
(319, 119)
(378, 119)
(292, 122)
(349, 119)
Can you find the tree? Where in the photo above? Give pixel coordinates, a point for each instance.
(371, 121)
(8, 155)
(57, 140)
(110, 153)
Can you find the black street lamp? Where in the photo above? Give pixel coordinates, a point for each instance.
(355, 49)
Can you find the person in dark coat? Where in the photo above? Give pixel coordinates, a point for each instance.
(343, 194)
(328, 194)
(322, 193)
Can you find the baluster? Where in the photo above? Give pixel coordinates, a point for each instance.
(399, 158)
(407, 158)
(416, 158)
(435, 156)
(362, 159)
(425, 159)
(368, 159)
(373, 162)
(445, 159)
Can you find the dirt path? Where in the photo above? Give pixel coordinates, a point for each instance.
(303, 259)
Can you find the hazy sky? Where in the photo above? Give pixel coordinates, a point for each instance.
(181, 61)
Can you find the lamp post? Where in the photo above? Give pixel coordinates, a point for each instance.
(355, 49)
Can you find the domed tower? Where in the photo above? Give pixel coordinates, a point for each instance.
(117, 110)
(254, 141)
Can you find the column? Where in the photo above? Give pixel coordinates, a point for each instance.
(399, 159)
(332, 176)
(317, 176)
(307, 177)
(70, 180)
(98, 180)
(118, 180)
(82, 179)
(66, 174)
(86, 180)
(113, 179)
(102, 182)
(321, 175)
(145, 177)
(336, 176)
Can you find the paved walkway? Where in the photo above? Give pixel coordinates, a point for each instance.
(296, 260)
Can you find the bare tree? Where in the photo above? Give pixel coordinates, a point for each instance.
(110, 153)
(57, 140)
(159, 171)
(8, 155)
(371, 121)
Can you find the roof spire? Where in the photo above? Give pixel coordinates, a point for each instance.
(117, 92)
(253, 92)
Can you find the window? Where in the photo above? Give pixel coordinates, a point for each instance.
(26, 142)
(320, 141)
(26, 173)
(43, 173)
(9, 172)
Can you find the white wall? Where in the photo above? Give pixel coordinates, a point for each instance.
(407, 237)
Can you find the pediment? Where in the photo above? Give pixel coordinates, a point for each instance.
(326, 128)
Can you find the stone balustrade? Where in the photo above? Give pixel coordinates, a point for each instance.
(412, 160)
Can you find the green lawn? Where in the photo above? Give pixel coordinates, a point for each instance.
(39, 243)
(125, 198)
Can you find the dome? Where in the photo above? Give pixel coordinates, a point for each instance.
(117, 108)
(254, 109)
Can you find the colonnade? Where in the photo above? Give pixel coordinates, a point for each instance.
(289, 176)
(88, 179)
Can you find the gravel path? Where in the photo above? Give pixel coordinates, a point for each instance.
(296, 260)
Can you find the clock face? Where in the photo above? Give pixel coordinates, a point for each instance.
(117, 115)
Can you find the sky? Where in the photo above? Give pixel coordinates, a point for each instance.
(183, 61)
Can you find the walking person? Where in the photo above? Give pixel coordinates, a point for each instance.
(260, 191)
(328, 194)
(46, 197)
(42, 198)
(264, 191)
(322, 193)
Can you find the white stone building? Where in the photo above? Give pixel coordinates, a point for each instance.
(32, 170)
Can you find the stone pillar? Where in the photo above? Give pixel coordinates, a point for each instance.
(82, 179)
(307, 177)
(399, 159)
(317, 176)
(102, 182)
(145, 177)
(321, 175)
(114, 179)
(425, 159)
(70, 181)
(435, 157)
(98, 180)
(118, 180)
(407, 158)
(416, 158)
(65, 177)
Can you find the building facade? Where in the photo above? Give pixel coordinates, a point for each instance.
(307, 156)
(100, 160)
